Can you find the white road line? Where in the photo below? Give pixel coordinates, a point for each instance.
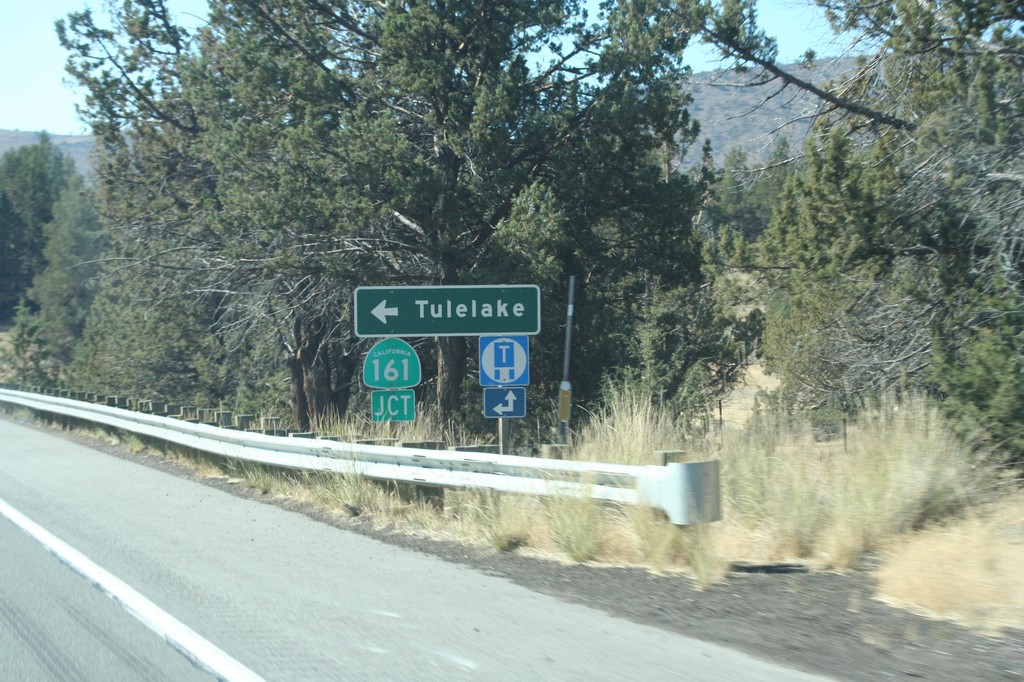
(200, 651)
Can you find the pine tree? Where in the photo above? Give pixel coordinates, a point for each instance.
(62, 292)
(897, 253)
(12, 229)
(31, 179)
(294, 151)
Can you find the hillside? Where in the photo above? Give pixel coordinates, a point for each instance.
(734, 113)
(78, 147)
(731, 112)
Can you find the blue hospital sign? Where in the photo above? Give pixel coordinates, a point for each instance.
(504, 360)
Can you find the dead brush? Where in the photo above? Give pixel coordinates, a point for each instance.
(577, 525)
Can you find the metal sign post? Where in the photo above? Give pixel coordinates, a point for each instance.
(565, 388)
(504, 436)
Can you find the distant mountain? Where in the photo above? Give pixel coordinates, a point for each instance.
(732, 114)
(78, 147)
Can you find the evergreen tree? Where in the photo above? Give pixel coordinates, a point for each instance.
(28, 358)
(297, 150)
(893, 249)
(12, 229)
(139, 347)
(63, 291)
(852, 276)
(978, 369)
(31, 179)
(744, 196)
(51, 317)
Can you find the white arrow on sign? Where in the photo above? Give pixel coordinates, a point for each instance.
(508, 405)
(382, 311)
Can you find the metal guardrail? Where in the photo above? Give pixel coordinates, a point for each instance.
(688, 493)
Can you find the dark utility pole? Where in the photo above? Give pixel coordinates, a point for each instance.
(565, 388)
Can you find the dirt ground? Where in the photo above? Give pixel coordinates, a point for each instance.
(820, 622)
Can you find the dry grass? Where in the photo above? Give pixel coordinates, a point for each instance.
(6, 369)
(741, 402)
(660, 542)
(578, 526)
(261, 478)
(132, 442)
(426, 427)
(352, 495)
(702, 555)
(969, 570)
(204, 467)
(506, 522)
(627, 430)
(788, 496)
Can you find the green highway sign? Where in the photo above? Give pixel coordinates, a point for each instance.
(448, 310)
(391, 363)
(393, 406)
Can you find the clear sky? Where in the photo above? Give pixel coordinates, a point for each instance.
(37, 96)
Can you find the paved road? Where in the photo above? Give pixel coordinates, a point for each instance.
(289, 598)
(55, 626)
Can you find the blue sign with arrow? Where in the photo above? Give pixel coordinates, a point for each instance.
(508, 402)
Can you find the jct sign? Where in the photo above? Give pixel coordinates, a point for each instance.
(393, 406)
(447, 310)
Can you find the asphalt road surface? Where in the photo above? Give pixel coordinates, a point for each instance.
(55, 626)
(285, 597)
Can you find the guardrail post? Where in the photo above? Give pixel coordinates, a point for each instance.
(423, 445)
(349, 437)
(486, 448)
(244, 422)
(664, 457)
(554, 451)
(270, 426)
